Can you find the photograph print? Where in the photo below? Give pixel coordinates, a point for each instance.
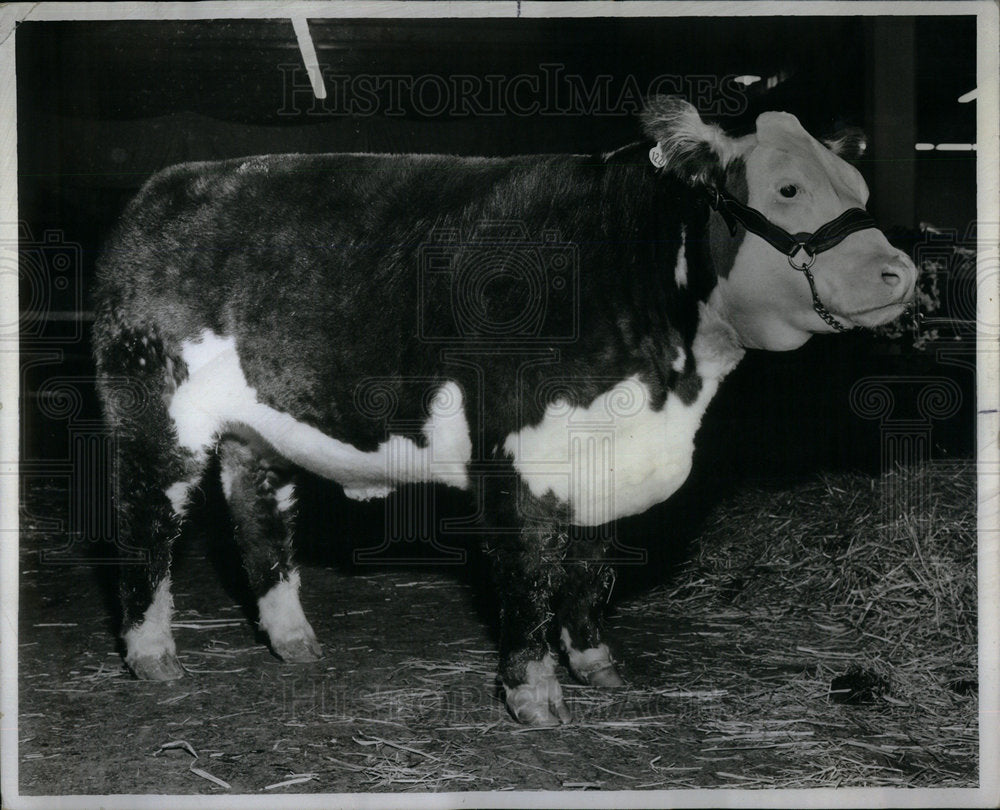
(500, 404)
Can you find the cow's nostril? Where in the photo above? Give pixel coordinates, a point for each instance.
(891, 277)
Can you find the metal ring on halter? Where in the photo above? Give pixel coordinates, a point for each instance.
(805, 265)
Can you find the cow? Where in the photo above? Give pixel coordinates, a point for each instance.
(543, 331)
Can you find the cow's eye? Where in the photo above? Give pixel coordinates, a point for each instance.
(789, 190)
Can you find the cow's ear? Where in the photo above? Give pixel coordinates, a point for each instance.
(849, 143)
(695, 151)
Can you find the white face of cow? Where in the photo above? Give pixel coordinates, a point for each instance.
(798, 184)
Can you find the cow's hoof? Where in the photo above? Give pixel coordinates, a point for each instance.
(298, 650)
(535, 705)
(163, 667)
(538, 701)
(606, 676)
(594, 667)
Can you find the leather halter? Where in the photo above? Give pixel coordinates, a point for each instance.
(803, 247)
(791, 245)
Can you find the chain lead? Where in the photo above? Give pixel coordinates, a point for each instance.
(818, 306)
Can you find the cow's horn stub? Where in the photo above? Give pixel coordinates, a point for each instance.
(693, 150)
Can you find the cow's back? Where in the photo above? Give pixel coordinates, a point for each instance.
(244, 230)
(314, 264)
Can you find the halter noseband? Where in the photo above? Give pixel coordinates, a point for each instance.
(791, 245)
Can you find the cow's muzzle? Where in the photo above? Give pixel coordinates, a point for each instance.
(800, 249)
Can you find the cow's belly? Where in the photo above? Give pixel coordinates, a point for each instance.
(618, 456)
(216, 397)
(614, 458)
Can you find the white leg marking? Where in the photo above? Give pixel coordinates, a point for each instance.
(541, 671)
(281, 614)
(178, 495)
(152, 638)
(281, 617)
(681, 268)
(227, 477)
(538, 701)
(584, 663)
(286, 497)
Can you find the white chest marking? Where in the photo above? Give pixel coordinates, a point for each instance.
(216, 394)
(618, 456)
(681, 268)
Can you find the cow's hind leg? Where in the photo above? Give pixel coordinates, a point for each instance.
(580, 611)
(153, 483)
(152, 478)
(261, 500)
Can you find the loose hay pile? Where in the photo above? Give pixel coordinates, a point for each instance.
(868, 588)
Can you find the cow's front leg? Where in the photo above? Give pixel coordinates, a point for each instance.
(261, 500)
(528, 566)
(580, 613)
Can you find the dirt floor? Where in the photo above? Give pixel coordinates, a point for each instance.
(720, 694)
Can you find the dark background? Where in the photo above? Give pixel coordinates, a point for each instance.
(102, 106)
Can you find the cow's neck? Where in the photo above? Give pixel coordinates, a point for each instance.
(756, 326)
(667, 299)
